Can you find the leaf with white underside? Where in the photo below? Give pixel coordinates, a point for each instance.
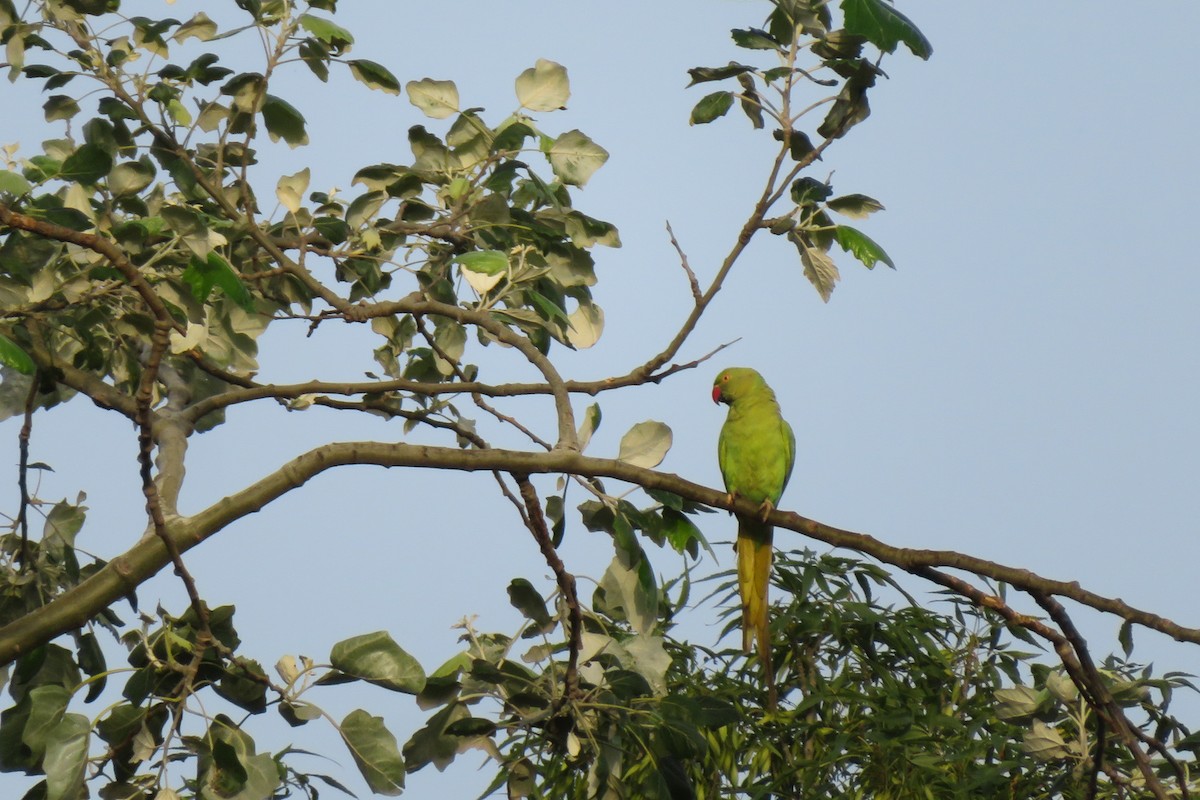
(586, 325)
(436, 99)
(291, 188)
(543, 87)
(819, 269)
(645, 445)
(574, 157)
(483, 269)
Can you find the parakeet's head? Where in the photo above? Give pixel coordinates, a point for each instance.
(736, 382)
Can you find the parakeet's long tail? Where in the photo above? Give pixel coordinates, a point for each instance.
(754, 579)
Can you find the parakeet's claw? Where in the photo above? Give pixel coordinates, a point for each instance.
(765, 509)
(729, 498)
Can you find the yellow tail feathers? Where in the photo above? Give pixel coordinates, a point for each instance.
(754, 580)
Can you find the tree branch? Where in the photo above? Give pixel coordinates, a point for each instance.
(148, 556)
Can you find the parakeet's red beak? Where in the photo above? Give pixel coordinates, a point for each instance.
(716, 394)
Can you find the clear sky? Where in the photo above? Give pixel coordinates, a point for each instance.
(1022, 388)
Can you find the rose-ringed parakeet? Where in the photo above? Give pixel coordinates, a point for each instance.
(756, 452)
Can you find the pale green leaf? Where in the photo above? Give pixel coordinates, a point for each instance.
(575, 158)
(483, 269)
(13, 183)
(338, 38)
(586, 324)
(130, 177)
(645, 445)
(436, 99)
(591, 421)
(1044, 743)
(199, 26)
(543, 87)
(818, 268)
(291, 188)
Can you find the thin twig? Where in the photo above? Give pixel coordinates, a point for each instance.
(24, 556)
(536, 523)
(683, 262)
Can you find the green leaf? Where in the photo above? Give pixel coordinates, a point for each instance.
(66, 758)
(861, 246)
(884, 26)
(645, 444)
(376, 658)
(707, 74)
(283, 121)
(543, 87)
(1125, 637)
(809, 190)
(49, 705)
(131, 177)
(202, 275)
(754, 39)
(374, 75)
(710, 107)
(529, 601)
(338, 38)
(60, 106)
(87, 165)
(436, 99)
(485, 262)
(375, 752)
(575, 158)
(199, 27)
(855, 206)
(12, 356)
(13, 183)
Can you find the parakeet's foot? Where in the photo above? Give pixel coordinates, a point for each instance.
(765, 509)
(729, 498)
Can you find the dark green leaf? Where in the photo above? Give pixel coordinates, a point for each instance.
(707, 74)
(754, 39)
(376, 658)
(529, 602)
(751, 103)
(711, 107)
(849, 109)
(374, 750)
(202, 276)
(60, 106)
(283, 121)
(1125, 637)
(808, 191)
(88, 164)
(884, 26)
(374, 75)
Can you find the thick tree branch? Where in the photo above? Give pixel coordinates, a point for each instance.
(148, 556)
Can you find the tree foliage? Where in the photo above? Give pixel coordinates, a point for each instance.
(142, 257)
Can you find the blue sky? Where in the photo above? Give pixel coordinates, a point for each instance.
(1022, 388)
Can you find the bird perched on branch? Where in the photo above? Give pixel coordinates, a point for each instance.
(756, 452)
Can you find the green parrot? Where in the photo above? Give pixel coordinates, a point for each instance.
(756, 452)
